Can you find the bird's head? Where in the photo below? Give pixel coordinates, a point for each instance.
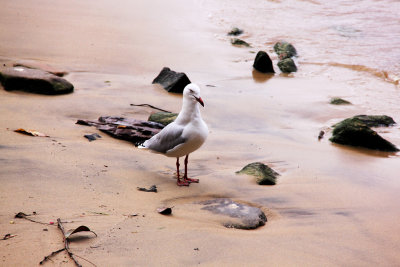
(192, 93)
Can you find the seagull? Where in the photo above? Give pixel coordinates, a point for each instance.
(184, 135)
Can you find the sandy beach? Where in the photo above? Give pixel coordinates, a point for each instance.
(333, 205)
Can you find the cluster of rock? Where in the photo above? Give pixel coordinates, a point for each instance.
(263, 62)
(286, 52)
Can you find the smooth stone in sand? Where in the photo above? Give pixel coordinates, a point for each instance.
(236, 215)
(33, 80)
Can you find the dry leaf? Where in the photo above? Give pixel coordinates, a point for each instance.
(31, 132)
(81, 228)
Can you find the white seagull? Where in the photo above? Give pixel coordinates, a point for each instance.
(184, 135)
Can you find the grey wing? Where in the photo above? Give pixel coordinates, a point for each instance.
(167, 139)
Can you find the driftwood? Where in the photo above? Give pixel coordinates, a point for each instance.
(135, 131)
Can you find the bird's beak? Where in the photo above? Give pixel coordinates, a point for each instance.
(200, 100)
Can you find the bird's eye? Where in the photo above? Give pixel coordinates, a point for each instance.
(191, 91)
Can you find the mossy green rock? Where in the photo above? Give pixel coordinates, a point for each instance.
(285, 50)
(375, 120)
(164, 118)
(356, 131)
(235, 31)
(339, 101)
(287, 65)
(239, 42)
(264, 175)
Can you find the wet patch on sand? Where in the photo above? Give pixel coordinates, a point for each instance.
(231, 213)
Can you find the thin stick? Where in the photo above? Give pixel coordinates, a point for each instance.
(22, 215)
(51, 255)
(66, 244)
(150, 106)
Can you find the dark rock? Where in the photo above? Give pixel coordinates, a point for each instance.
(92, 137)
(132, 130)
(285, 50)
(356, 131)
(239, 42)
(375, 120)
(235, 31)
(263, 62)
(240, 216)
(321, 135)
(165, 210)
(173, 82)
(152, 188)
(287, 65)
(164, 118)
(264, 175)
(33, 80)
(339, 101)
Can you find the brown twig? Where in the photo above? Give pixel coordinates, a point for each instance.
(22, 215)
(8, 236)
(150, 106)
(46, 258)
(66, 243)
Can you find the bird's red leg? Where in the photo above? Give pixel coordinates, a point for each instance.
(178, 181)
(185, 177)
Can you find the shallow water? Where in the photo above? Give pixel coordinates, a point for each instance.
(363, 35)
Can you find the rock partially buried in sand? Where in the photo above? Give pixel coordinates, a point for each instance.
(173, 82)
(164, 118)
(33, 80)
(235, 31)
(263, 63)
(356, 131)
(285, 50)
(375, 120)
(287, 65)
(239, 42)
(240, 216)
(339, 101)
(264, 175)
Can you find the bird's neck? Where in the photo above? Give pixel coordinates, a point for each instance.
(189, 111)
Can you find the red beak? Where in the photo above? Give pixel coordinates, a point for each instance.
(200, 101)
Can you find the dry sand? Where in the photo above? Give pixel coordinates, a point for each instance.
(332, 205)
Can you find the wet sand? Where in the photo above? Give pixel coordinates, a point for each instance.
(332, 206)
